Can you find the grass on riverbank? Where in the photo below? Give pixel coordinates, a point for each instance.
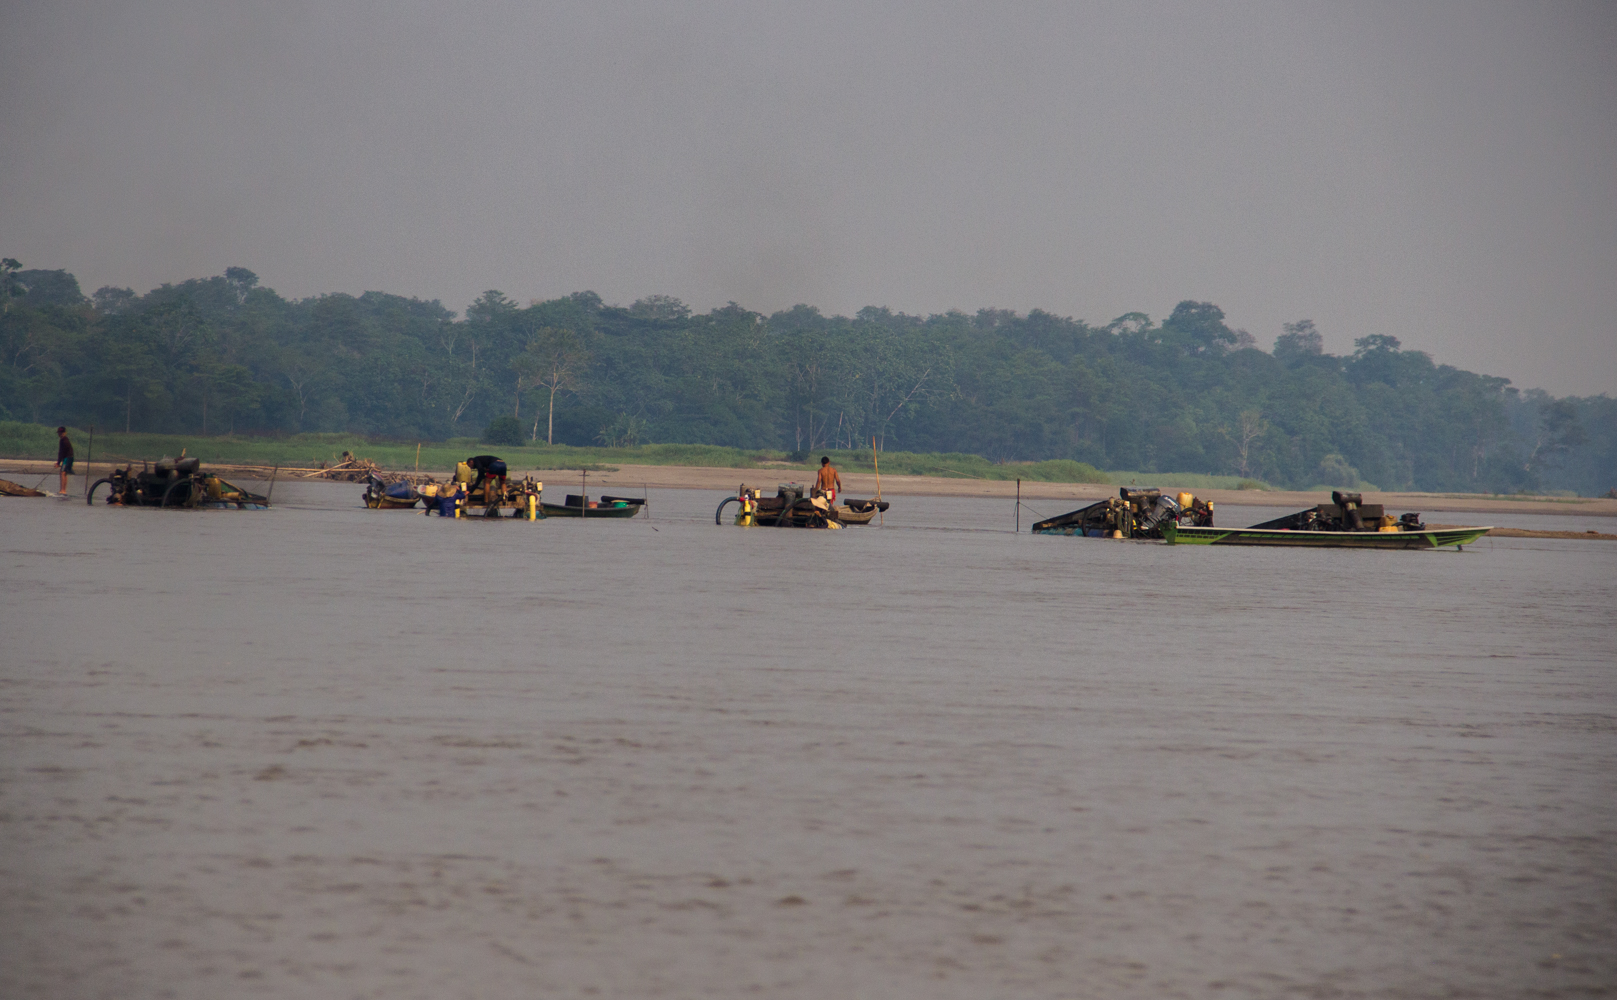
(1187, 481)
(20, 440)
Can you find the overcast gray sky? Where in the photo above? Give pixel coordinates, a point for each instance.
(1445, 172)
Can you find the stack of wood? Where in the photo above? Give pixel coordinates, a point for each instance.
(11, 489)
(360, 470)
(350, 470)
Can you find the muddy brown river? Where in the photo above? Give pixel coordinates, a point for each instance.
(326, 752)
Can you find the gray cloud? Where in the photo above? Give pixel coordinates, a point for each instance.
(1444, 172)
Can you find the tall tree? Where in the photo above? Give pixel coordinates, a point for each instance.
(1300, 339)
(554, 360)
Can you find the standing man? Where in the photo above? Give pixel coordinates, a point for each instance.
(827, 483)
(64, 456)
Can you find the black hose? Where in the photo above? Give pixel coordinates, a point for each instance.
(718, 515)
(174, 486)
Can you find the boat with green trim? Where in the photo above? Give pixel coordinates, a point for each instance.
(1439, 538)
(1347, 522)
(583, 506)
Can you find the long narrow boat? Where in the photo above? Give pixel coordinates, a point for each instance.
(1347, 522)
(605, 507)
(1175, 534)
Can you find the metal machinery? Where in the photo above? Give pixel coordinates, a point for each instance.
(1345, 512)
(174, 482)
(788, 508)
(493, 493)
(1347, 522)
(1130, 514)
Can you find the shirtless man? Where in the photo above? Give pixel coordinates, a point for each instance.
(827, 483)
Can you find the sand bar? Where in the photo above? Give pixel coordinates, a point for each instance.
(629, 477)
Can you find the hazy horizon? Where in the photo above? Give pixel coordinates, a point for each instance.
(1444, 173)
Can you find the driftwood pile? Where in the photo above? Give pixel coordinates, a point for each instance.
(11, 489)
(360, 470)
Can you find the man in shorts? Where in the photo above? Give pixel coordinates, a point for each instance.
(827, 483)
(64, 457)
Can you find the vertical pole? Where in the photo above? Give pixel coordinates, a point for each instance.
(89, 456)
(418, 458)
(584, 494)
(876, 457)
(1019, 506)
(271, 495)
(645, 494)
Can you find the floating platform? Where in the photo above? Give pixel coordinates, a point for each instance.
(1136, 514)
(789, 508)
(174, 483)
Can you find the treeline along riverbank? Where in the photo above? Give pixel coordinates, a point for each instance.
(224, 355)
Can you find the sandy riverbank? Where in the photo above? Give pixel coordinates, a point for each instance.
(655, 477)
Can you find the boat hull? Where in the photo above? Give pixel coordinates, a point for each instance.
(1433, 539)
(849, 516)
(561, 510)
(390, 503)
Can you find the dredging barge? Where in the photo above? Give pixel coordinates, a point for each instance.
(480, 487)
(789, 508)
(176, 483)
(1136, 514)
(1347, 522)
(479, 482)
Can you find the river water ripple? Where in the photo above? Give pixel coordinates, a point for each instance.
(321, 751)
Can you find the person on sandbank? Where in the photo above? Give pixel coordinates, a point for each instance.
(64, 457)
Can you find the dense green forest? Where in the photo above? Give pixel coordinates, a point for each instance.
(1187, 394)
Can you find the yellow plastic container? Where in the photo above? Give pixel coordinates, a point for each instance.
(1186, 499)
(463, 473)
